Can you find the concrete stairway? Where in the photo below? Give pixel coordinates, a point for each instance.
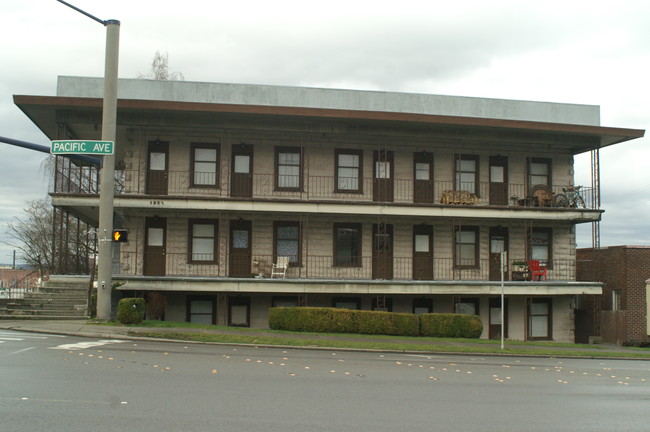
(61, 297)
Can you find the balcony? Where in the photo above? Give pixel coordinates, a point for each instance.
(177, 184)
(323, 268)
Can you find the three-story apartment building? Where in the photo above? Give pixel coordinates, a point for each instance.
(382, 201)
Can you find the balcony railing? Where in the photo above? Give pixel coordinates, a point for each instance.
(324, 267)
(315, 188)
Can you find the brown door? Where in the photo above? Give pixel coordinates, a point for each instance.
(157, 168)
(240, 248)
(498, 180)
(495, 318)
(154, 251)
(498, 243)
(241, 175)
(423, 177)
(422, 252)
(383, 176)
(382, 251)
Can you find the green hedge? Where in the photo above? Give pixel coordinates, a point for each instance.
(450, 325)
(130, 310)
(333, 320)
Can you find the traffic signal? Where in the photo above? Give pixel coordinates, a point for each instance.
(120, 236)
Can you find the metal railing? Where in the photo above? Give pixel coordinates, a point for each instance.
(17, 288)
(331, 268)
(319, 188)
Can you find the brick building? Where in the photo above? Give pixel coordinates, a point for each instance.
(619, 314)
(377, 201)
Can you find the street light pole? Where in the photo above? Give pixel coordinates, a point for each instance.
(107, 187)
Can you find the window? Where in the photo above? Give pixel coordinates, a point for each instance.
(201, 310)
(347, 245)
(288, 168)
(284, 301)
(466, 247)
(467, 306)
(203, 241)
(286, 237)
(466, 173)
(539, 172)
(352, 303)
(349, 172)
(204, 165)
(382, 304)
(539, 319)
(540, 246)
(617, 295)
(422, 306)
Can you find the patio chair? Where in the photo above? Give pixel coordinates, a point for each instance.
(536, 270)
(280, 267)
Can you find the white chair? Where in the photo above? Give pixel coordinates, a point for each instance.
(280, 267)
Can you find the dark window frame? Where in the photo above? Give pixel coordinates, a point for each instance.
(374, 304)
(217, 173)
(188, 307)
(422, 303)
(276, 299)
(356, 300)
(549, 315)
(477, 246)
(529, 249)
(476, 301)
(359, 153)
(548, 162)
(294, 150)
(190, 237)
(355, 261)
(296, 224)
(477, 172)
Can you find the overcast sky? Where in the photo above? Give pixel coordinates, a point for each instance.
(585, 52)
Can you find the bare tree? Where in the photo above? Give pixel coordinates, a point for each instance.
(160, 69)
(32, 235)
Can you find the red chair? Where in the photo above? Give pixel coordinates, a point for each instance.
(536, 270)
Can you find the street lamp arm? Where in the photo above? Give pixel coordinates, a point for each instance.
(102, 22)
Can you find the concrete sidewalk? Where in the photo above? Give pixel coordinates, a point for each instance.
(84, 328)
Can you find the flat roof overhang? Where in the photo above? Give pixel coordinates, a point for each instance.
(42, 111)
(360, 287)
(87, 207)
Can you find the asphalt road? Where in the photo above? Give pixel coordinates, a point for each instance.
(54, 383)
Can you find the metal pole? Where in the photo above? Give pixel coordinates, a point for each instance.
(502, 267)
(107, 188)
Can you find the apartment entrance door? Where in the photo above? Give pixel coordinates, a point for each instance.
(498, 243)
(157, 168)
(498, 180)
(240, 248)
(423, 177)
(422, 252)
(382, 251)
(155, 246)
(241, 171)
(495, 318)
(383, 176)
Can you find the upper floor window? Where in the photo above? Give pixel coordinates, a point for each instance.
(349, 170)
(288, 168)
(347, 244)
(203, 241)
(539, 172)
(287, 241)
(466, 247)
(466, 173)
(205, 164)
(540, 242)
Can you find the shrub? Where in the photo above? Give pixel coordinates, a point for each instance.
(130, 310)
(333, 320)
(450, 325)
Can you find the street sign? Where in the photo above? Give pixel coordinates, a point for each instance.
(82, 147)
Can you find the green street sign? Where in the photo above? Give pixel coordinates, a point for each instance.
(82, 147)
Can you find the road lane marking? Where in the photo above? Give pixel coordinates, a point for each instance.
(22, 350)
(86, 345)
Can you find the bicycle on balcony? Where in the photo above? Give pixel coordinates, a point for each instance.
(570, 198)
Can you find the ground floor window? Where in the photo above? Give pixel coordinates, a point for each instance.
(284, 301)
(540, 318)
(239, 311)
(201, 310)
(468, 305)
(353, 303)
(382, 304)
(422, 306)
